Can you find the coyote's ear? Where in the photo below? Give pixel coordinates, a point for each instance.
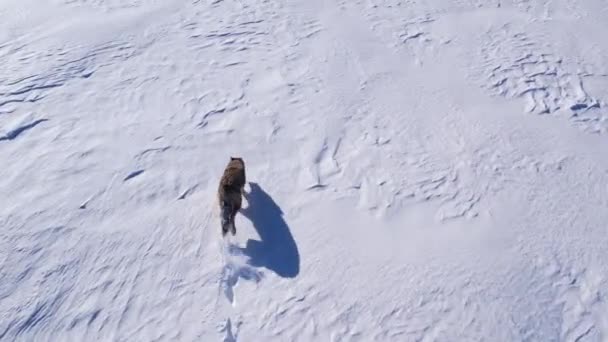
(232, 158)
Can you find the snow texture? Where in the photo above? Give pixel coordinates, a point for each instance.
(419, 170)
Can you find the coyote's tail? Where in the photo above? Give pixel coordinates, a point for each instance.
(227, 222)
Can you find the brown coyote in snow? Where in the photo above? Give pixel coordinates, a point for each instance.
(230, 193)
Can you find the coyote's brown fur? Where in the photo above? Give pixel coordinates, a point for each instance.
(230, 193)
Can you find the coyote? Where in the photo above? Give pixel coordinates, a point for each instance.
(230, 193)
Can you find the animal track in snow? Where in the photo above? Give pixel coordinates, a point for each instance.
(236, 267)
(228, 329)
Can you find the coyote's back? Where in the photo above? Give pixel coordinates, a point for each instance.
(230, 193)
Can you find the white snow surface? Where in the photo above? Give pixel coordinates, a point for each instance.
(418, 170)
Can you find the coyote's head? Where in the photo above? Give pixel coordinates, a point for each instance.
(239, 159)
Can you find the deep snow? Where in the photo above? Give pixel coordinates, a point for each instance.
(420, 170)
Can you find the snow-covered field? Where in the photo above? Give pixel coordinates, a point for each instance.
(419, 170)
